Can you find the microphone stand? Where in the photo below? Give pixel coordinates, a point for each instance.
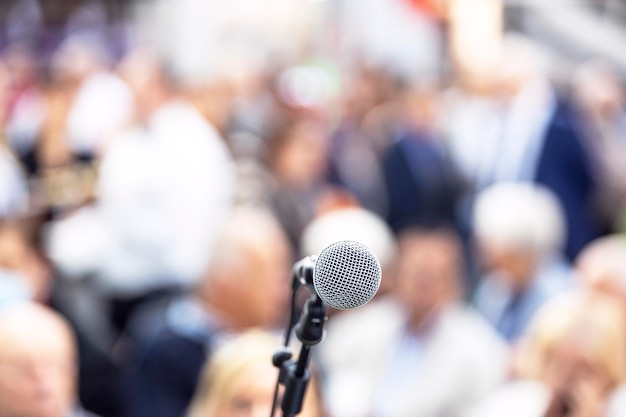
(294, 375)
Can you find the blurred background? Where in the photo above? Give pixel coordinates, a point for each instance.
(163, 163)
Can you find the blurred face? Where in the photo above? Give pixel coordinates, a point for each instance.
(20, 65)
(141, 72)
(4, 93)
(602, 96)
(360, 96)
(253, 395)
(16, 255)
(515, 266)
(602, 268)
(427, 272)
(301, 161)
(36, 374)
(214, 103)
(575, 373)
(419, 110)
(606, 284)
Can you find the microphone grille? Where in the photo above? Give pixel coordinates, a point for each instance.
(346, 275)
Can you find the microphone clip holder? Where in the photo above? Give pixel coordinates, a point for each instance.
(294, 375)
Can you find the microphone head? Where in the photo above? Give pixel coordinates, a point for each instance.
(346, 275)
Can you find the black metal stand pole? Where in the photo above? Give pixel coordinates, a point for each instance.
(294, 375)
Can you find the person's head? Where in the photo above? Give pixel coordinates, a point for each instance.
(21, 62)
(239, 381)
(297, 151)
(575, 339)
(144, 72)
(247, 277)
(76, 58)
(20, 264)
(520, 61)
(356, 224)
(213, 99)
(37, 362)
(599, 91)
(517, 226)
(429, 270)
(418, 107)
(602, 266)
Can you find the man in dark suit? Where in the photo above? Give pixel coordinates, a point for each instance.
(535, 137)
(565, 166)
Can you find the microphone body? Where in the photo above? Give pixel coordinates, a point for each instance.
(344, 275)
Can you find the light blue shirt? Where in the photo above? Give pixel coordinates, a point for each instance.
(510, 312)
(403, 373)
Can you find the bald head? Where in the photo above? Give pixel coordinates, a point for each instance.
(602, 265)
(248, 230)
(37, 362)
(247, 277)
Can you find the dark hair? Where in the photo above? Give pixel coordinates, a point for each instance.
(280, 134)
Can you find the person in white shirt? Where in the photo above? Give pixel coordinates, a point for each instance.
(165, 187)
(417, 351)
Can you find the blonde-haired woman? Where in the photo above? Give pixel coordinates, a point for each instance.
(239, 380)
(570, 363)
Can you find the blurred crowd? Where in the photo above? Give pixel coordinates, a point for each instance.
(164, 163)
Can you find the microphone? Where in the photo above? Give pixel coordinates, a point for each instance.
(345, 275)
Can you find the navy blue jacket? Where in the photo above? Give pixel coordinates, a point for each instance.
(565, 166)
(422, 185)
(166, 376)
